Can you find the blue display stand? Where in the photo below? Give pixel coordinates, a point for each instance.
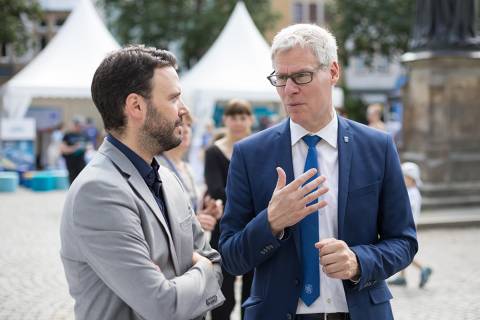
(42, 181)
(8, 181)
(61, 179)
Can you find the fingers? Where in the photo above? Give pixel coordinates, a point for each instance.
(210, 204)
(337, 259)
(300, 181)
(206, 200)
(282, 179)
(314, 195)
(196, 257)
(313, 208)
(309, 187)
(320, 244)
(207, 221)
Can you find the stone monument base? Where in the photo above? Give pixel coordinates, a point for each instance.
(441, 125)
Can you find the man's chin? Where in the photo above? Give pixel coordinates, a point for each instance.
(173, 144)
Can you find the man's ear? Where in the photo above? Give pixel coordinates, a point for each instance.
(335, 72)
(135, 106)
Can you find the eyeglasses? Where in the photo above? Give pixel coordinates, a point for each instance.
(300, 78)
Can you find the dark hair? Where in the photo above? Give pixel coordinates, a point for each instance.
(238, 106)
(122, 72)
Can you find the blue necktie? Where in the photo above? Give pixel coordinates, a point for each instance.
(309, 234)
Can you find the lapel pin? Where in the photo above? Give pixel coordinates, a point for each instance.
(345, 139)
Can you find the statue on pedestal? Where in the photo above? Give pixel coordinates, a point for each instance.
(445, 25)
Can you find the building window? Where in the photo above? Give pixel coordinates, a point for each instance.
(199, 6)
(43, 42)
(382, 65)
(297, 12)
(313, 12)
(3, 52)
(59, 22)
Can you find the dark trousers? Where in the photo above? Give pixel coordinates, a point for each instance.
(74, 166)
(223, 312)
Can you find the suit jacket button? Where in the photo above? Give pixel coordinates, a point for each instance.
(289, 316)
(297, 282)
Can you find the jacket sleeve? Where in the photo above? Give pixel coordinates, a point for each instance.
(397, 243)
(246, 240)
(214, 175)
(109, 233)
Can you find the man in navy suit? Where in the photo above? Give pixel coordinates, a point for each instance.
(317, 204)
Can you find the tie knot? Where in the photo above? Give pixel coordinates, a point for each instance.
(311, 141)
(155, 165)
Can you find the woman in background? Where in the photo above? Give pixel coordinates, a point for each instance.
(238, 121)
(208, 210)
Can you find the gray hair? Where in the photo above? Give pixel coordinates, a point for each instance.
(319, 40)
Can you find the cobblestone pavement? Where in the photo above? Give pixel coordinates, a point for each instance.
(33, 287)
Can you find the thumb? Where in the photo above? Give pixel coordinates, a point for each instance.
(323, 242)
(282, 178)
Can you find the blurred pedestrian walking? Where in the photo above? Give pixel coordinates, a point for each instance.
(411, 174)
(73, 148)
(374, 116)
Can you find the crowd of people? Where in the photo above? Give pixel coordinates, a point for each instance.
(315, 212)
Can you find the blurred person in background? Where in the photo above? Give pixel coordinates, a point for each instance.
(54, 155)
(374, 116)
(238, 120)
(73, 148)
(411, 174)
(91, 131)
(208, 210)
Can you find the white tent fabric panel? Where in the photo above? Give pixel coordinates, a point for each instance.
(236, 65)
(66, 66)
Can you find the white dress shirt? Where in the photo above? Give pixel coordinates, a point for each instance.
(332, 295)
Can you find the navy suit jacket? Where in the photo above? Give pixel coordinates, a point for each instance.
(374, 219)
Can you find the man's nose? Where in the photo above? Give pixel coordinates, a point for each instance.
(291, 87)
(183, 110)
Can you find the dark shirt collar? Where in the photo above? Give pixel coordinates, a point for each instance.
(146, 170)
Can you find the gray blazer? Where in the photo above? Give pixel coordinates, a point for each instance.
(120, 258)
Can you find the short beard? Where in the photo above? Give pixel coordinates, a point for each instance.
(157, 134)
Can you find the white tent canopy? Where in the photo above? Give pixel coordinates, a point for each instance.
(65, 68)
(235, 66)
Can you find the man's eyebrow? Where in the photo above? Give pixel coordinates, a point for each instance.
(287, 74)
(175, 94)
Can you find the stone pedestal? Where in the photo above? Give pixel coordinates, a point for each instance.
(441, 125)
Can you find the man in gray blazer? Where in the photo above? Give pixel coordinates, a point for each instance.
(131, 245)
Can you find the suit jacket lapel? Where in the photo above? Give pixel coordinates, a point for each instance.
(345, 147)
(284, 160)
(139, 185)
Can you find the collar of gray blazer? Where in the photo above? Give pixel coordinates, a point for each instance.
(125, 166)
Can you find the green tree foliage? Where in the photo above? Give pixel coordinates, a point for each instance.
(192, 24)
(355, 108)
(13, 17)
(364, 28)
